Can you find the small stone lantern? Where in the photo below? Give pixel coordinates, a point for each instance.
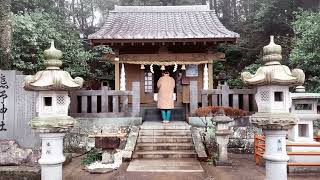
(52, 120)
(273, 100)
(222, 78)
(305, 107)
(222, 137)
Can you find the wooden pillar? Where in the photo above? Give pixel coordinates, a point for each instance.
(210, 71)
(117, 76)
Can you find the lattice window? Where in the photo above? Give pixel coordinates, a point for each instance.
(265, 96)
(60, 100)
(148, 82)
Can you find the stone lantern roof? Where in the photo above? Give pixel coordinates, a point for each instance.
(52, 78)
(273, 73)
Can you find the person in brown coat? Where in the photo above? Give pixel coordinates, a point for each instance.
(166, 86)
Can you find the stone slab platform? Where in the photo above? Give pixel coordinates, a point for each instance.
(165, 165)
(20, 173)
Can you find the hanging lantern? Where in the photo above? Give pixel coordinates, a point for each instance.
(183, 67)
(142, 66)
(163, 68)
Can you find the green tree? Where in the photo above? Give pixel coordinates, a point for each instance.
(32, 34)
(306, 47)
(5, 34)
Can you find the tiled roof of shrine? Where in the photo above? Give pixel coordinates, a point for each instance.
(162, 22)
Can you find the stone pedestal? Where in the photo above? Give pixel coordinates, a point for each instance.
(222, 137)
(52, 156)
(275, 154)
(223, 151)
(275, 127)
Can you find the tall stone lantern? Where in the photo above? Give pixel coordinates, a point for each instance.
(52, 120)
(273, 100)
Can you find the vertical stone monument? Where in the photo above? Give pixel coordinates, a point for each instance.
(273, 100)
(52, 120)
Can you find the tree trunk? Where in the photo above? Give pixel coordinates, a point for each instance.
(215, 5)
(5, 34)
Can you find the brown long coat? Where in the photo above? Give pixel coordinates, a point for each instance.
(166, 86)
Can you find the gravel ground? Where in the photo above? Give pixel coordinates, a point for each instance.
(243, 168)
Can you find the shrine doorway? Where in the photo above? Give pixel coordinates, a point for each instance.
(153, 113)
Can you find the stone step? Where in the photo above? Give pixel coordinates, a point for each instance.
(165, 154)
(164, 139)
(164, 146)
(165, 165)
(178, 125)
(165, 132)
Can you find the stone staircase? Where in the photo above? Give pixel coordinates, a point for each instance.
(157, 140)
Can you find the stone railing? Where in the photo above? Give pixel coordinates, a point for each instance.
(105, 102)
(222, 96)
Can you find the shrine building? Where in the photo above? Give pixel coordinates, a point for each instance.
(150, 39)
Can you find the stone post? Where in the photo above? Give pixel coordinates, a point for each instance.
(193, 96)
(222, 137)
(52, 120)
(273, 100)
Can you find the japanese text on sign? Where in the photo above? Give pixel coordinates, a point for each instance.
(3, 96)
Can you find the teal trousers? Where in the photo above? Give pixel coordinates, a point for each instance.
(166, 114)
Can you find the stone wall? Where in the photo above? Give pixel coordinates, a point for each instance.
(241, 141)
(17, 107)
(316, 127)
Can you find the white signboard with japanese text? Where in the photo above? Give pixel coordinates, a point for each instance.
(17, 108)
(7, 117)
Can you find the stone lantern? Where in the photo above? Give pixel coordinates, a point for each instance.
(222, 137)
(273, 100)
(52, 120)
(305, 107)
(222, 78)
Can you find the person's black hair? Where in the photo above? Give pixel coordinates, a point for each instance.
(166, 72)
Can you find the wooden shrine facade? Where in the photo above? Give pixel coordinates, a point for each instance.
(149, 39)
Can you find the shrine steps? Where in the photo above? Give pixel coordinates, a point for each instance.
(166, 154)
(164, 139)
(164, 146)
(165, 132)
(157, 140)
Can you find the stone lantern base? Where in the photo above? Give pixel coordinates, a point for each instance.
(222, 140)
(52, 156)
(275, 127)
(52, 131)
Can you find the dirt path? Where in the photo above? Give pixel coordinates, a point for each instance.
(243, 168)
